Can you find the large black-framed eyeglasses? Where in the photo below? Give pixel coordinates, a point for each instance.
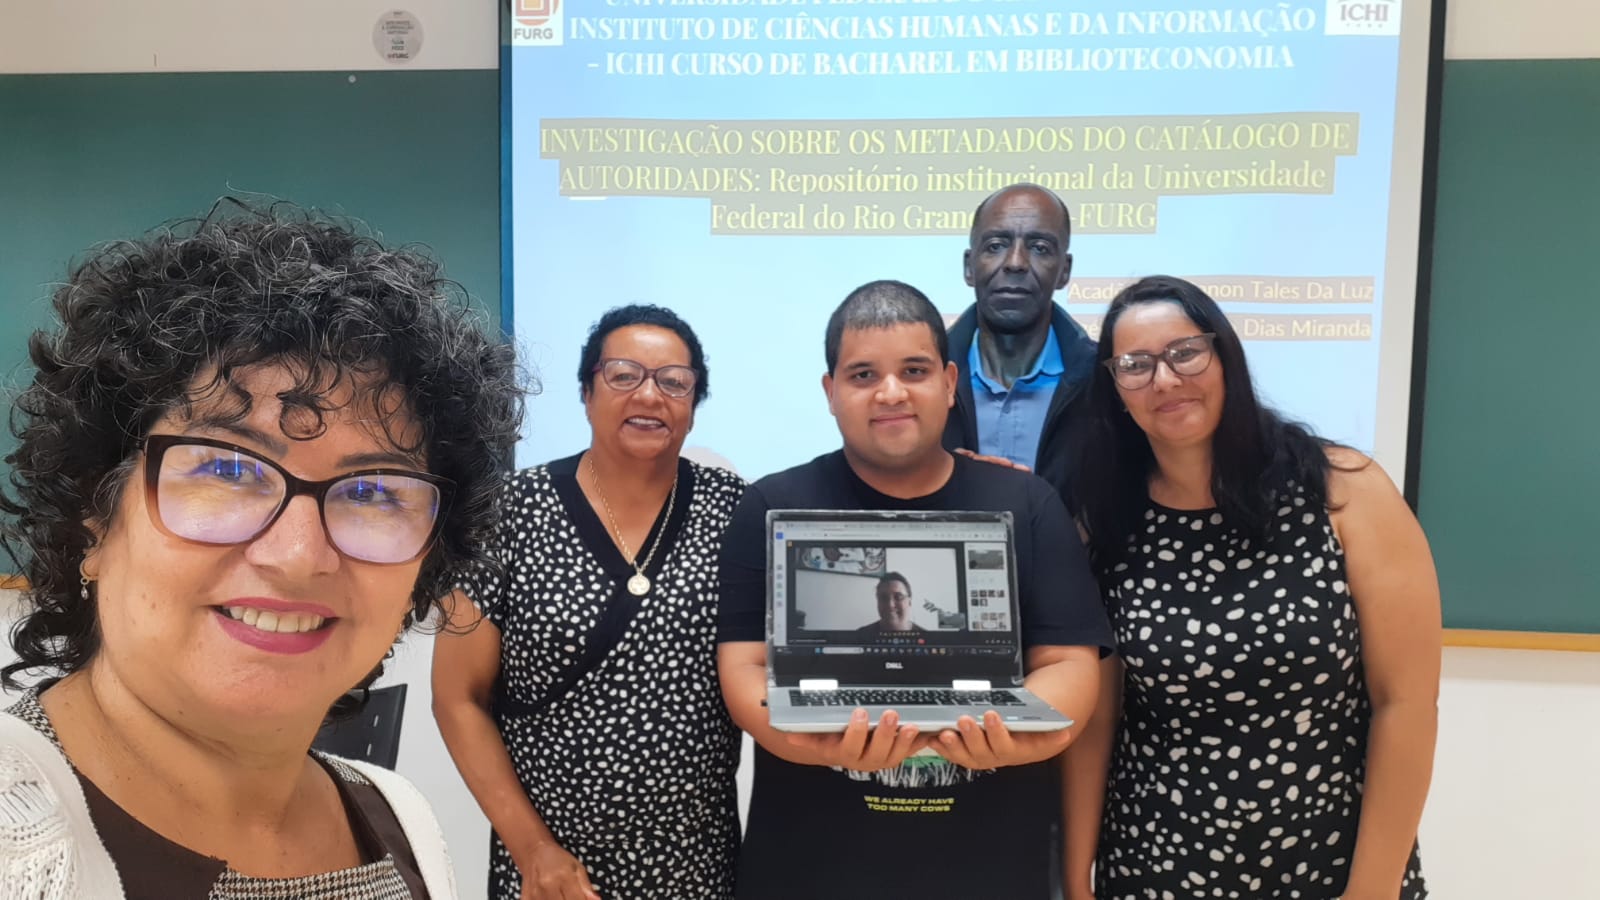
(625, 375)
(214, 492)
(1184, 356)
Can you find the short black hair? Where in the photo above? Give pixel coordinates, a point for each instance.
(1066, 217)
(888, 577)
(643, 314)
(881, 304)
(145, 327)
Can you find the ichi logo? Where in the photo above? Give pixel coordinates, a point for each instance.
(894, 665)
(538, 23)
(1372, 17)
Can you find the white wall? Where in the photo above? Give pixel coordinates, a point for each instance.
(1515, 807)
(237, 35)
(831, 600)
(1521, 29)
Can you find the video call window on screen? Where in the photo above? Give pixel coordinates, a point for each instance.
(897, 592)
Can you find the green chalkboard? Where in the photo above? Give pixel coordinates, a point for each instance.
(1509, 488)
(89, 158)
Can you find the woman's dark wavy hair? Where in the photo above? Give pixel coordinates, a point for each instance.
(145, 327)
(1257, 454)
(643, 314)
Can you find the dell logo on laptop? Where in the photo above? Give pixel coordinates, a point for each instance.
(894, 665)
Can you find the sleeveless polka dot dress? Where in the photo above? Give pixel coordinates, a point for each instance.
(632, 768)
(1240, 759)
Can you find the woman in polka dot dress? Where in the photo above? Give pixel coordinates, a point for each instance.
(578, 690)
(1267, 728)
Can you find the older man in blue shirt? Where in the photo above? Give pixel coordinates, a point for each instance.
(1025, 365)
(1011, 418)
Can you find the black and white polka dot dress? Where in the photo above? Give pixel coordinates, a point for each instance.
(632, 769)
(1240, 760)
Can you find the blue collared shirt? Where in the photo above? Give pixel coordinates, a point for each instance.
(1011, 421)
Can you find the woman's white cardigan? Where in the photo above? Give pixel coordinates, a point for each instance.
(49, 849)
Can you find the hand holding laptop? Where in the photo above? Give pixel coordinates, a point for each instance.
(861, 747)
(865, 746)
(989, 744)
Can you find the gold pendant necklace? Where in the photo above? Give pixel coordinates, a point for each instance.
(639, 584)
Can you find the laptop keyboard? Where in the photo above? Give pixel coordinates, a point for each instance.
(903, 697)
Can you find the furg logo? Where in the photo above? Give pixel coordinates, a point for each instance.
(536, 23)
(1373, 17)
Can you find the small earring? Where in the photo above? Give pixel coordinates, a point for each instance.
(83, 587)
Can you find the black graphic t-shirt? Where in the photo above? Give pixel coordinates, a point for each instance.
(928, 827)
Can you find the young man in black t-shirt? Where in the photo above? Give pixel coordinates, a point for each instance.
(886, 812)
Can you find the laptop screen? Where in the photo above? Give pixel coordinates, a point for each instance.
(892, 597)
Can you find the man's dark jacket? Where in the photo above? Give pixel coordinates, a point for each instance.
(1060, 439)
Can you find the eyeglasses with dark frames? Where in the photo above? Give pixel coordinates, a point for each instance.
(1185, 356)
(214, 492)
(625, 376)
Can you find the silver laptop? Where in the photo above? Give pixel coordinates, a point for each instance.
(911, 611)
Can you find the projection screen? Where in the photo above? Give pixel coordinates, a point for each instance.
(748, 162)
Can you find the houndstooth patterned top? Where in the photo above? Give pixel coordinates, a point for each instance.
(154, 868)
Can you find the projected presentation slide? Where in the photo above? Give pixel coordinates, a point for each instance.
(749, 163)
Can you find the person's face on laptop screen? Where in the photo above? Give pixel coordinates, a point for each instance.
(894, 605)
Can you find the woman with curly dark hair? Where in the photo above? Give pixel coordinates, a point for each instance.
(256, 448)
